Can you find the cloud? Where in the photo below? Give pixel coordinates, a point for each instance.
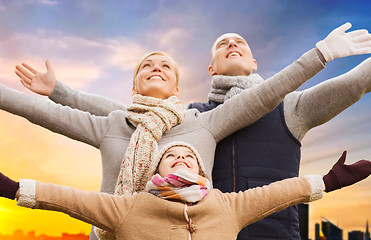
(98, 65)
(77, 61)
(125, 53)
(49, 2)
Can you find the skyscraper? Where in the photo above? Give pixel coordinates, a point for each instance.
(367, 233)
(331, 231)
(318, 232)
(304, 221)
(355, 235)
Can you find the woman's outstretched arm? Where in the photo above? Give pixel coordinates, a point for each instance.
(72, 123)
(45, 83)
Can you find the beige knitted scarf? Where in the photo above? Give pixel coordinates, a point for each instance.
(152, 117)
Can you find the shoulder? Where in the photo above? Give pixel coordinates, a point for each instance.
(203, 107)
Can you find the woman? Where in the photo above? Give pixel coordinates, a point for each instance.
(178, 202)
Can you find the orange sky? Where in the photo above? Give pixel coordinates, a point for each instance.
(29, 151)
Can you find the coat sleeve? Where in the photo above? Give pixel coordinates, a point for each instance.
(94, 104)
(257, 203)
(99, 209)
(250, 105)
(314, 106)
(72, 123)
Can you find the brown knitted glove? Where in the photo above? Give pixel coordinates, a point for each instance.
(8, 187)
(342, 175)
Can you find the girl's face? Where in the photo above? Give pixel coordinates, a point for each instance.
(156, 78)
(178, 157)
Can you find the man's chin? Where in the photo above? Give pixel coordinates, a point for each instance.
(236, 72)
(235, 68)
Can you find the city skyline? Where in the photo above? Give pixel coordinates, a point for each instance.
(327, 230)
(18, 234)
(93, 46)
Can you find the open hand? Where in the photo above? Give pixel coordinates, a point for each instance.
(342, 175)
(340, 44)
(38, 82)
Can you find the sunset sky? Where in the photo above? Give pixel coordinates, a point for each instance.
(94, 46)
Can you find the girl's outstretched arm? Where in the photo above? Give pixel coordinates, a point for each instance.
(99, 209)
(263, 201)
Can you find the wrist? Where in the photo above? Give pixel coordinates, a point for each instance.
(50, 88)
(326, 52)
(331, 181)
(8, 187)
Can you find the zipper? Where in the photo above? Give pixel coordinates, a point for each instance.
(233, 165)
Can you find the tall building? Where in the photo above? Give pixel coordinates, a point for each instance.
(318, 232)
(304, 221)
(331, 231)
(355, 235)
(367, 233)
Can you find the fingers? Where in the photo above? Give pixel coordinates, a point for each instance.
(363, 44)
(362, 169)
(363, 164)
(29, 68)
(363, 50)
(362, 39)
(24, 71)
(25, 84)
(357, 33)
(344, 27)
(24, 79)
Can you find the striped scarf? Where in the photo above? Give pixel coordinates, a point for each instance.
(152, 117)
(181, 185)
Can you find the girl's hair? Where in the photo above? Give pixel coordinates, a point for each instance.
(157, 53)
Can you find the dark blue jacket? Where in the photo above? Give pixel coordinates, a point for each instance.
(257, 155)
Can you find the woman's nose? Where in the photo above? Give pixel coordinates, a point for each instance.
(180, 156)
(156, 68)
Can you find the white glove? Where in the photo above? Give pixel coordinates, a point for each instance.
(340, 44)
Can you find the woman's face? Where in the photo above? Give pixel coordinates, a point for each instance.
(156, 78)
(178, 157)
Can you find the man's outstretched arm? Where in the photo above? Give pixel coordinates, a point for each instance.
(307, 109)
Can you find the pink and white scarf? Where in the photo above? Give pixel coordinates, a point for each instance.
(181, 185)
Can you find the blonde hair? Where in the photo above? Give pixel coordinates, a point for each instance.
(176, 70)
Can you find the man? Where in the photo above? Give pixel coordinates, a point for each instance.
(269, 149)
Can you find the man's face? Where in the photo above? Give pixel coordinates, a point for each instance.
(231, 56)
